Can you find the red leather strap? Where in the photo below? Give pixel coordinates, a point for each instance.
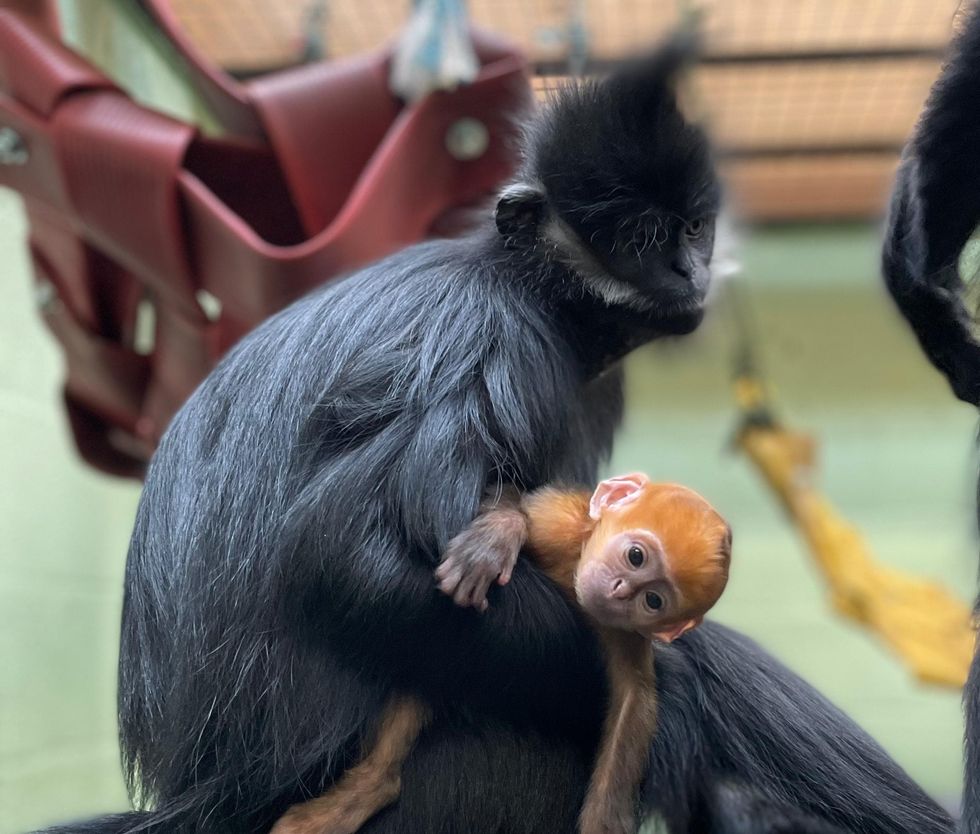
(36, 75)
(102, 377)
(100, 294)
(183, 353)
(42, 13)
(312, 112)
(120, 163)
(127, 205)
(228, 100)
(41, 176)
(398, 194)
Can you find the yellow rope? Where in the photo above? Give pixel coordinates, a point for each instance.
(926, 626)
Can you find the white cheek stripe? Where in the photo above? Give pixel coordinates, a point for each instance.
(569, 249)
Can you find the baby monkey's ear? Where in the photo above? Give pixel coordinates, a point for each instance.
(726, 545)
(614, 493)
(668, 635)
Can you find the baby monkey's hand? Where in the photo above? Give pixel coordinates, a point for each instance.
(484, 553)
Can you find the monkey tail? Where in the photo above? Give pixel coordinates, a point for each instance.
(111, 824)
(178, 816)
(934, 211)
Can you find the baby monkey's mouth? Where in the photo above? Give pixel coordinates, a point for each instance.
(606, 600)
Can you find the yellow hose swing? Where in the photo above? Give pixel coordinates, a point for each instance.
(929, 629)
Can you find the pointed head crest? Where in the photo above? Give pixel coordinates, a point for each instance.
(625, 138)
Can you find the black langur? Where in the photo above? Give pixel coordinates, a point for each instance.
(935, 210)
(279, 587)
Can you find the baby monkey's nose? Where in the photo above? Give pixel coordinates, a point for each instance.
(620, 589)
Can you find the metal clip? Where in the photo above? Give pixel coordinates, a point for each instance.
(13, 151)
(467, 139)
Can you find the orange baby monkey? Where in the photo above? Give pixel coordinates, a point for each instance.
(644, 561)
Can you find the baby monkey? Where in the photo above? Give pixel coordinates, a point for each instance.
(644, 561)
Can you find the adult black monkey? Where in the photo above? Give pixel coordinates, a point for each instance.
(935, 210)
(280, 584)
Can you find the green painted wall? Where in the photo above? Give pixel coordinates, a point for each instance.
(63, 535)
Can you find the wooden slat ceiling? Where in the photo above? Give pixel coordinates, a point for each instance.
(809, 100)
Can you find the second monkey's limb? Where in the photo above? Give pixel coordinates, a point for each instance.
(369, 786)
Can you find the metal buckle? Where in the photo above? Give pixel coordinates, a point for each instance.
(13, 151)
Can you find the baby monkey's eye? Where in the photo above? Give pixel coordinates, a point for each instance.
(654, 601)
(635, 556)
(695, 228)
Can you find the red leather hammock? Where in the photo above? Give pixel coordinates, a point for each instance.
(321, 170)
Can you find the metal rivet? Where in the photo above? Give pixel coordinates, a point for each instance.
(45, 295)
(211, 305)
(13, 151)
(145, 327)
(467, 139)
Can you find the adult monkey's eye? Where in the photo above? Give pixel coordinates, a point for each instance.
(654, 601)
(635, 556)
(695, 228)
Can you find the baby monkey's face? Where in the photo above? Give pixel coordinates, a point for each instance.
(657, 560)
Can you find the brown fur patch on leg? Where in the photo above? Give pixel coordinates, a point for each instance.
(368, 787)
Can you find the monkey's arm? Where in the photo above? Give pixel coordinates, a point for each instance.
(627, 733)
(558, 524)
(485, 552)
(552, 522)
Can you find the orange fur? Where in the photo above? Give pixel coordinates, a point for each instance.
(690, 530)
(696, 541)
(558, 526)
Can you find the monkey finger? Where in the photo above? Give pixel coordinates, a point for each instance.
(473, 589)
(476, 601)
(451, 562)
(479, 593)
(454, 553)
(450, 582)
(507, 568)
(462, 597)
(445, 570)
(464, 590)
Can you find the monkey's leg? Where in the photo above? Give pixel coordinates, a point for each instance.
(369, 786)
(631, 722)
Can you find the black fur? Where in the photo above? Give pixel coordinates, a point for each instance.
(279, 583)
(935, 210)
(767, 752)
(619, 186)
(575, 136)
